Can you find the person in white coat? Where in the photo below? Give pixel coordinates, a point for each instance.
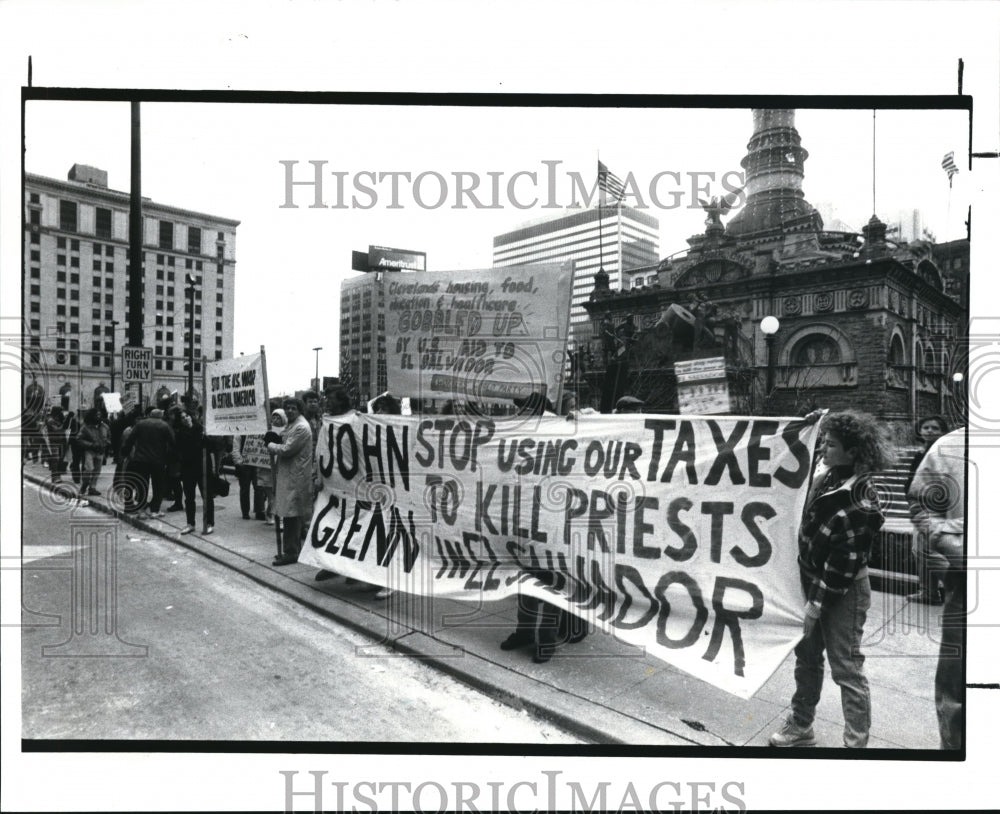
(293, 490)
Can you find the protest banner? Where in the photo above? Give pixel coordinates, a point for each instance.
(676, 534)
(237, 402)
(488, 334)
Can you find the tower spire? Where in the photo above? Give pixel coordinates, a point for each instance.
(774, 168)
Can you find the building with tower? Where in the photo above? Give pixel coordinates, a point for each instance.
(863, 321)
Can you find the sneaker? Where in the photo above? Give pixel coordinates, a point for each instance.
(208, 529)
(791, 734)
(157, 515)
(187, 529)
(384, 593)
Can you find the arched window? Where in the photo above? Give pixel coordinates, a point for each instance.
(929, 364)
(897, 356)
(816, 349)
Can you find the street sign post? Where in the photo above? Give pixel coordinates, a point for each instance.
(137, 364)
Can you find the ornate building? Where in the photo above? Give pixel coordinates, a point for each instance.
(863, 322)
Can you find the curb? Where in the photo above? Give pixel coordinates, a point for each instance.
(507, 686)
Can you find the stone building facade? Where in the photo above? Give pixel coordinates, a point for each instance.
(864, 322)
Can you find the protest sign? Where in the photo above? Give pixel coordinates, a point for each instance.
(236, 403)
(112, 402)
(676, 534)
(488, 334)
(255, 452)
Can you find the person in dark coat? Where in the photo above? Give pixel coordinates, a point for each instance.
(149, 448)
(55, 431)
(91, 442)
(190, 437)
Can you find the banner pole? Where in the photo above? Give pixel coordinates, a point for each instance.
(267, 394)
(205, 482)
(267, 415)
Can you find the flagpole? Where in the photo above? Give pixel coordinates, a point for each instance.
(621, 265)
(600, 216)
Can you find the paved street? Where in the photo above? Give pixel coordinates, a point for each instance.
(201, 652)
(601, 688)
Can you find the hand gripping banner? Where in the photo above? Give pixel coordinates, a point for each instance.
(677, 534)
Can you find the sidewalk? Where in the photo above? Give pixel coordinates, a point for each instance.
(602, 689)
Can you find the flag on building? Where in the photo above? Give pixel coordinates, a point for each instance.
(609, 183)
(948, 165)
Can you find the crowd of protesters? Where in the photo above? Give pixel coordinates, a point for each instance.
(165, 453)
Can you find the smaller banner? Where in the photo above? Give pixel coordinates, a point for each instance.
(255, 452)
(236, 404)
(128, 402)
(488, 334)
(112, 402)
(702, 388)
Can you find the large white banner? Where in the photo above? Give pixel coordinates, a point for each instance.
(235, 402)
(481, 335)
(674, 533)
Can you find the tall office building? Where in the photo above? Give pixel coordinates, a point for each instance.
(75, 285)
(613, 237)
(362, 332)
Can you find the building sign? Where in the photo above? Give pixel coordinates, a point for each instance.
(137, 364)
(702, 387)
(236, 402)
(489, 334)
(644, 525)
(385, 258)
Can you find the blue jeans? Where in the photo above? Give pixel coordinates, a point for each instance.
(838, 632)
(949, 681)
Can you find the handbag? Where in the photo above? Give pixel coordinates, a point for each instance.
(220, 486)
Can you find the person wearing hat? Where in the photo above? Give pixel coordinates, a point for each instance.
(293, 489)
(629, 404)
(265, 477)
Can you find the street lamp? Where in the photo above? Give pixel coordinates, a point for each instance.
(316, 380)
(769, 327)
(189, 290)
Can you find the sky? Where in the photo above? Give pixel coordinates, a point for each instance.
(224, 160)
(227, 160)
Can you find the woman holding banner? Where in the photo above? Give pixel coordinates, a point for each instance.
(841, 519)
(293, 490)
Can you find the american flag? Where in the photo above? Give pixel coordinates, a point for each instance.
(609, 183)
(948, 165)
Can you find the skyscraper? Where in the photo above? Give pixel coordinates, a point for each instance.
(75, 286)
(612, 237)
